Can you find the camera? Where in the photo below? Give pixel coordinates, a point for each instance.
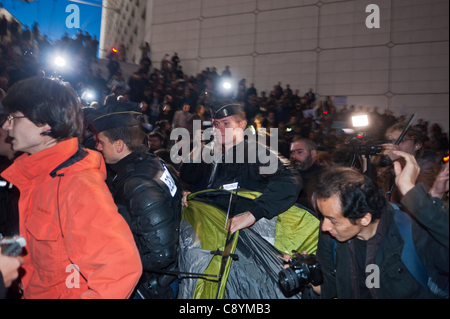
(303, 270)
(12, 246)
(365, 146)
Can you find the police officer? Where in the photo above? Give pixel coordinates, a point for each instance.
(242, 164)
(147, 194)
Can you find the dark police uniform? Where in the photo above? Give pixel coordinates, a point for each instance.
(148, 196)
(279, 189)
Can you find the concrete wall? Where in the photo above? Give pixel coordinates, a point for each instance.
(321, 44)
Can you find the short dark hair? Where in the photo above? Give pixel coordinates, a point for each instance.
(133, 136)
(358, 193)
(47, 101)
(158, 135)
(310, 144)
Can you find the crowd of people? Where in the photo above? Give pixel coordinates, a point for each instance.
(127, 124)
(166, 91)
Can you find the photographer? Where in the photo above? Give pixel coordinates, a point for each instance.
(362, 225)
(412, 143)
(427, 207)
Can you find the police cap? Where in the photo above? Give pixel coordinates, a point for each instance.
(225, 108)
(116, 115)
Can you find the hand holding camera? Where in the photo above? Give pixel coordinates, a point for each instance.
(406, 178)
(388, 150)
(10, 248)
(301, 271)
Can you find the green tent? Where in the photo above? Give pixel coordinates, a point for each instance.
(249, 261)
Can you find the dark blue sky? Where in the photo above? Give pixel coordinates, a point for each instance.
(51, 16)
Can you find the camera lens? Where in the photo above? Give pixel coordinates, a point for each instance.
(288, 279)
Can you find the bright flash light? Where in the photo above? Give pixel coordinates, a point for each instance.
(60, 61)
(227, 85)
(360, 121)
(89, 95)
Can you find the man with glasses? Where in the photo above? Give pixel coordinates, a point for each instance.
(78, 246)
(412, 144)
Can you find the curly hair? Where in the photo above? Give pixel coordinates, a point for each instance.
(358, 193)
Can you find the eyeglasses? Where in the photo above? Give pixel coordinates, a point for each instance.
(402, 141)
(10, 118)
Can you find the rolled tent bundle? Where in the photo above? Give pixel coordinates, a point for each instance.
(248, 262)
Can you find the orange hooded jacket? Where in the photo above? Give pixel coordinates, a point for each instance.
(70, 223)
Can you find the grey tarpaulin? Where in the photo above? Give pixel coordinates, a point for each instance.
(253, 276)
(192, 259)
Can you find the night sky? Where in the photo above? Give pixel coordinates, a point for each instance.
(51, 16)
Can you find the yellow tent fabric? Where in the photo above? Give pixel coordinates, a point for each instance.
(210, 228)
(296, 230)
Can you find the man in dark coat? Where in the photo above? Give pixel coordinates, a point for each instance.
(303, 158)
(241, 162)
(367, 260)
(147, 194)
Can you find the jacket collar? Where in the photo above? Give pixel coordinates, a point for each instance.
(28, 167)
(125, 168)
(127, 163)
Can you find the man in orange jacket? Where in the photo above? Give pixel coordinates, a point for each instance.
(78, 245)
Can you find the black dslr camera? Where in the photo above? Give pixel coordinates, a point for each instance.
(303, 270)
(362, 145)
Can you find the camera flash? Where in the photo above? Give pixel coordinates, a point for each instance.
(227, 85)
(360, 121)
(60, 61)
